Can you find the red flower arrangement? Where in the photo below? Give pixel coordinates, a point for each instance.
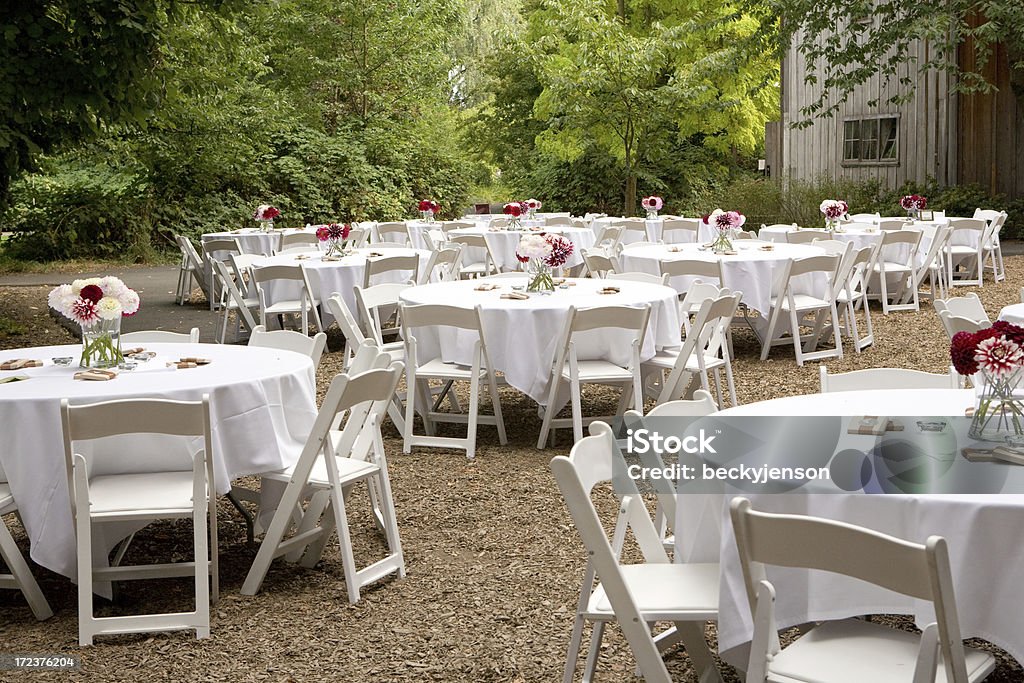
(996, 350)
(333, 232)
(913, 202)
(429, 205)
(514, 209)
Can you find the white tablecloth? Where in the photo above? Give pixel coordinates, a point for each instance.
(1014, 313)
(522, 336)
(503, 244)
(342, 276)
(861, 234)
(752, 270)
(253, 240)
(261, 400)
(705, 233)
(984, 534)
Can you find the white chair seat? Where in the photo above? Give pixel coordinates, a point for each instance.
(596, 370)
(6, 499)
(803, 302)
(349, 469)
(156, 491)
(666, 360)
(894, 267)
(962, 249)
(438, 369)
(289, 306)
(834, 652)
(665, 591)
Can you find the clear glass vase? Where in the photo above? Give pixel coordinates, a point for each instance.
(101, 344)
(541, 279)
(337, 248)
(652, 214)
(267, 226)
(999, 413)
(427, 216)
(514, 223)
(722, 243)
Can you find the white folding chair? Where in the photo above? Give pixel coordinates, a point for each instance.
(976, 232)
(287, 340)
(197, 267)
(236, 300)
(609, 237)
(221, 249)
(668, 372)
(992, 247)
(376, 305)
(599, 263)
(932, 265)
(391, 263)
(679, 230)
(969, 306)
(161, 336)
(804, 236)
(865, 218)
(886, 378)
(182, 489)
(393, 232)
(696, 294)
(707, 271)
(796, 306)
(421, 368)
(853, 649)
(330, 464)
(886, 225)
(186, 272)
(304, 305)
(895, 256)
(633, 228)
(634, 595)
(854, 294)
(956, 323)
(646, 278)
(305, 241)
(469, 268)
(568, 368)
(443, 265)
(18, 576)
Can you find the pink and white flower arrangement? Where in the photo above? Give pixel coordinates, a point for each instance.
(428, 207)
(652, 205)
(266, 212)
(334, 234)
(725, 221)
(91, 300)
(533, 205)
(913, 203)
(833, 209)
(543, 252)
(995, 355)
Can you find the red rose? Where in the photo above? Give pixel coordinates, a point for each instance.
(961, 353)
(271, 213)
(92, 293)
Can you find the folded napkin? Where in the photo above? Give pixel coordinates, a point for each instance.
(197, 361)
(300, 257)
(13, 378)
(331, 258)
(485, 287)
(132, 352)
(873, 424)
(768, 247)
(96, 375)
(518, 296)
(979, 455)
(609, 290)
(373, 254)
(1010, 455)
(19, 363)
(182, 364)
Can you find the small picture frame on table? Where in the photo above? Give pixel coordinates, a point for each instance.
(927, 215)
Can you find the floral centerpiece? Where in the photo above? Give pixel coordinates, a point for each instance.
(541, 253)
(833, 210)
(913, 204)
(726, 222)
(532, 207)
(336, 236)
(995, 357)
(652, 205)
(514, 211)
(265, 214)
(428, 207)
(97, 304)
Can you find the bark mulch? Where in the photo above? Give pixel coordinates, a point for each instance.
(494, 565)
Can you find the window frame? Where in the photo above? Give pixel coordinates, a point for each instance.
(879, 143)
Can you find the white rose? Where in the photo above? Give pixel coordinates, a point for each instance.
(109, 308)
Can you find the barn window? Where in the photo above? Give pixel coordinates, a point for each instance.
(871, 140)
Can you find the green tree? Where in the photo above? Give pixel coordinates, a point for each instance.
(70, 68)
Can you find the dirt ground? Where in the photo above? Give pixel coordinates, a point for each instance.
(494, 565)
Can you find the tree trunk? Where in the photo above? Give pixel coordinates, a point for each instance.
(630, 199)
(622, 11)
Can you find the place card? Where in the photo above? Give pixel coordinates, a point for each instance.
(197, 361)
(485, 287)
(132, 352)
(96, 375)
(873, 425)
(19, 363)
(1014, 456)
(13, 378)
(182, 364)
(518, 296)
(979, 454)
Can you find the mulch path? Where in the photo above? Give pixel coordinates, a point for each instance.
(494, 565)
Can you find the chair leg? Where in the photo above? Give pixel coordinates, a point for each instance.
(474, 411)
(496, 403)
(202, 567)
(410, 408)
(574, 650)
(577, 408)
(348, 561)
(19, 568)
(794, 325)
(86, 625)
(595, 648)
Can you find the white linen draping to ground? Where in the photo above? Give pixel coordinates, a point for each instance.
(705, 233)
(253, 240)
(1014, 313)
(522, 336)
(342, 276)
(984, 533)
(752, 270)
(503, 244)
(262, 408)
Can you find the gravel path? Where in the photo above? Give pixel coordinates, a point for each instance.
(494, 566)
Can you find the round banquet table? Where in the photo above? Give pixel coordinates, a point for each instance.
(984, 533)
(342, 275)
(503, 243)
(1014, 313)
(705, 233)
(753, 270)
(522, 335)
(861, 234)
(254, 240)
(262, 408)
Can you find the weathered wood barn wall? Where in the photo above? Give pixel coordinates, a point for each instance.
(953, 138)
